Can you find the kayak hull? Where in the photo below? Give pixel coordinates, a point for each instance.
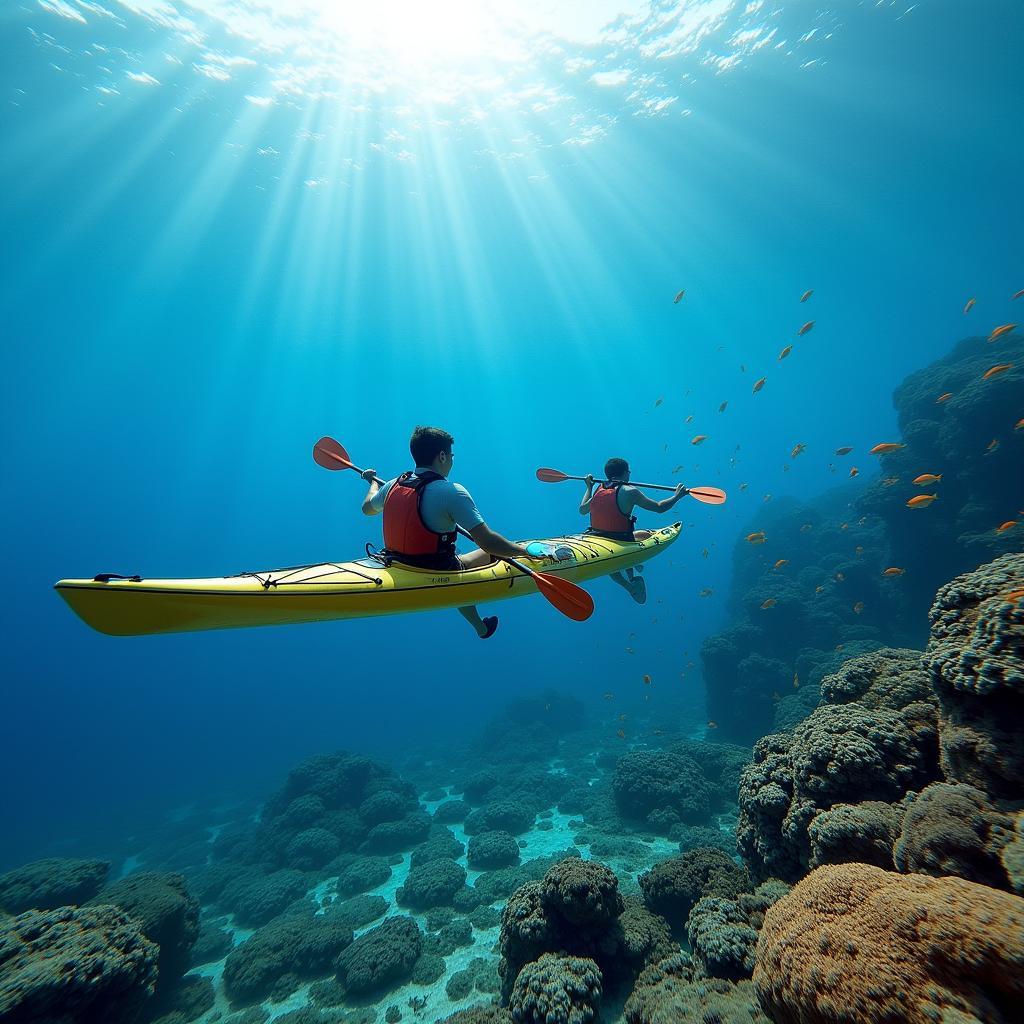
(338, 590)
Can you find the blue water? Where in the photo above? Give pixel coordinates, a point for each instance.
(196, 286)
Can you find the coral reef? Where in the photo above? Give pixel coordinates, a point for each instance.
(855, 833)
(86, 964)
(433, 884)
(910, 947)
(488, 850)
(672, 887)
(662, 789)
(556, 990)
(382, 958)
(51, 883)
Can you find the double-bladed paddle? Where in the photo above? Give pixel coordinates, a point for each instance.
(569, 599)
(708, 495)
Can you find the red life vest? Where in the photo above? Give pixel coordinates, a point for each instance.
(405, 533)
(605, 514)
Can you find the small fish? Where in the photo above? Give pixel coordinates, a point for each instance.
(647, 680)
(806, 527)
(1008, 525)
(797, 449)
(721, 408)
(743, 487)
(780, 563)
(768, 497)
(858, 608)
(886, 447)
(945, 397)
(806, 295)
(845, 450)
(890, 481)
(844, 526)
(993, 444)
(608, 696)
(705, 552)
(858, 550)
(679, 295)
(712, 725)
(623, 717)
(839, 577)
(621, 734)
(806, 327)
(665, 447)
(796, 679)
(629, 650)
(699, 439)
(994, 371)
(819, 590)
(758, 384)
(1017, 295)
(1019, 425)
(706, 592)
(921, 501)
(758, 537)
(927, 478)
(1014, 595)
(998, 332)
(839, 647)
(969, 305)
(743, 368)
(768, 603)
(658, 402)
(689, 419)
(854, 471)
(677, 469)
(894, 570)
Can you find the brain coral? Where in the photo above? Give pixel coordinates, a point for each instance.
(905, 948)
(583, 892)
(556, 990)
(975, 656)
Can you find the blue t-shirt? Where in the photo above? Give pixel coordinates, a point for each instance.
(443, 505)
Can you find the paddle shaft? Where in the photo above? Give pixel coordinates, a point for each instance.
(465, 533)
(632, 483)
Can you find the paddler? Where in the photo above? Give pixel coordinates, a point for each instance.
(422, 509)
(611, 515)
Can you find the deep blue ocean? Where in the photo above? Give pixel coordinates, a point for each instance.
(227, 230)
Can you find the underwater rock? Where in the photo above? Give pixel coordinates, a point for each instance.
(501, 816)
(299, 945)
(311, 849)
(441, 845)
(358, 874)
(890, 677)
(582, 892)
(556, 990)
(187, 1002)
(482, 1013)
(51, 883)
(645, 938)
(668, 993)
(861, 833)
(75, 964)
(385, 805)
(690, 837)
(451, 812)
(909, 947)
(481, 975)
(382, 959)
(213, 944)
(673, 886)
(661, 789)
(395, 836)
(488, 850)
(953, 829)
(358, 911)
(975, 657)
(167, 914)
(255, 898)
(433, 884)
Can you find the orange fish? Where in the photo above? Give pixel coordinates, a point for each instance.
(994, 371)
(889, 481)
(785, 352)
(758, 384)
(993, 444)
(886, 447)
(944, 398)
(970, 305)
(699, 439)
(1008, 525)
(927, 478)
(768, 603)
(712, 725)
(1019, 425)
(621, 734)
(797, 449)
(1014, 595)
(647, 680)
(806, 327)
(894, 571)
(806, 527)
(998, 332)
(679, 295)
(806, 295)
(759, 537)
(858, 608)
(780, 563)
(921, 501)
(854, 471)
(721, 408)
(845, 450)
(706, 592)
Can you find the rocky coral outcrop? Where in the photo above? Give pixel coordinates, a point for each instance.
(556, 990)
(905, 947)
(51, 883)
(382, 958)
(861, 833)
(672, 887)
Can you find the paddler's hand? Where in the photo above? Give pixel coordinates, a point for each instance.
(589, 480)
(368, 475)
(682, 491)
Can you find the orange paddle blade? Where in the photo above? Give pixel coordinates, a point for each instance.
(551, 476)
(709, 495)
(569, 599)
(329, 454)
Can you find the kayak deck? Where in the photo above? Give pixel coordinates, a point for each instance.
(335, 590)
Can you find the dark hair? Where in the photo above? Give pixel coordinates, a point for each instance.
(427, 443)
(615, 468)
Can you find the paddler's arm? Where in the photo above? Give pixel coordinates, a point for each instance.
(494, 544)
(588, 496)
(370, 476)
(640, 500)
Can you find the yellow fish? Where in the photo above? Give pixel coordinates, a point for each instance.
(994, 371)
(819, 590)
(998, 332)
(768, 603)
(921, 501)
(758, 537)
(679, 295)
(969, 305)
(780, 563)
(621, 734)
(927, 478)
(699, 439)
(806, 295)
(758, 384)
(785, 352)
(806, 327)
(854, 471)
(894, 571)
(1008, 525)
(886, 447)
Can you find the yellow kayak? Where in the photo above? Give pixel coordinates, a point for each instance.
(335, 590)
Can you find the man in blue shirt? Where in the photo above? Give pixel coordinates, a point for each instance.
(422, 510)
